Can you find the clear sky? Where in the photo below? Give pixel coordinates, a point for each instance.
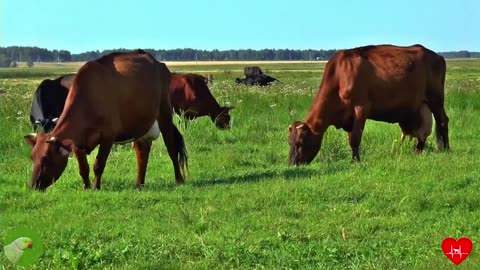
(81, 25)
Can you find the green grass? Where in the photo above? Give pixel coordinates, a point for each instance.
(242, 206)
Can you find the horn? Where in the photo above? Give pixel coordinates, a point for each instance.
(300, 126)
(54, 120)
(31, 135)
(51, 140)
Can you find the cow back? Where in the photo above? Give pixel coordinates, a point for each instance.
(118, 97)
(392, 81)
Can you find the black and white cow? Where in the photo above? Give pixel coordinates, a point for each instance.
(48, 102)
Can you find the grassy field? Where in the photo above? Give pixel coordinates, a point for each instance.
(242, 206)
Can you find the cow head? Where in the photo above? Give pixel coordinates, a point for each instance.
(49, 156)
(222, 120)
(304, 143)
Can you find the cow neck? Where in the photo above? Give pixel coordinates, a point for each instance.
(73, 128)
(65, 132)
(316, 118)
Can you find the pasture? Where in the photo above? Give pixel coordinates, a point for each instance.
(242, 206)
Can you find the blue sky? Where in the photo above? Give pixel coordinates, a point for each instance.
(210, 24)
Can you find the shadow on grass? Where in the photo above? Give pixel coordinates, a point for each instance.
(290, 173)
(250, 177)
(253, 177)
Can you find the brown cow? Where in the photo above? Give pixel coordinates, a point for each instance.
(190, 95)
(117, 98)
(384, 83)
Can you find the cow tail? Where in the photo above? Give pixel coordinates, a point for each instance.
(441, 142)
(182, 150)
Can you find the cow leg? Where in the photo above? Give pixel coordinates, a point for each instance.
(420, 145)
(142, 150)
(168, 131)
(83, 167)
(355, 136)
(436, 104)
(425, 128)
(100, 162)
(441, 128)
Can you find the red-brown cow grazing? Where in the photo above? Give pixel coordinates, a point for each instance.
(384, 83)
(190, 95)
(117, 98)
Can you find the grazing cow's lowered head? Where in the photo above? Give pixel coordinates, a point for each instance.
(222, 120)
(49, 156)
(304, 143)
(190, 95)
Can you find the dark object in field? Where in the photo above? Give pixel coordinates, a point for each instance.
(191, 97)
(385, 83)
(255, 76)
(251, 72)
(48, 102)
(259, 80)
(118, 98)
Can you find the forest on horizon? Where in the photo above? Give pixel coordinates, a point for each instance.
(13, 54)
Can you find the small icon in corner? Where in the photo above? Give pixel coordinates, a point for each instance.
(14, 251)
(457, 251)
(23, 247)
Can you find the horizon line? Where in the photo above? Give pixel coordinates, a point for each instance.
(188, 48)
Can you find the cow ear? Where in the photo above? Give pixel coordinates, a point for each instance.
(290, 128)
(66, 147)
(30, 139)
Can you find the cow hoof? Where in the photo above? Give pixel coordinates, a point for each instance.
(179, 182)
(417, 151)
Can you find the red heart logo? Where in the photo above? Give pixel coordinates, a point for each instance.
(457, 251)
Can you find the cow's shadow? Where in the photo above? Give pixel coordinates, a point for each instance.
(289, 174)
(254, 177)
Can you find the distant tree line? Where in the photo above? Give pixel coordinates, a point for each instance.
(10, 55)
(460, 54)
(224, 55)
